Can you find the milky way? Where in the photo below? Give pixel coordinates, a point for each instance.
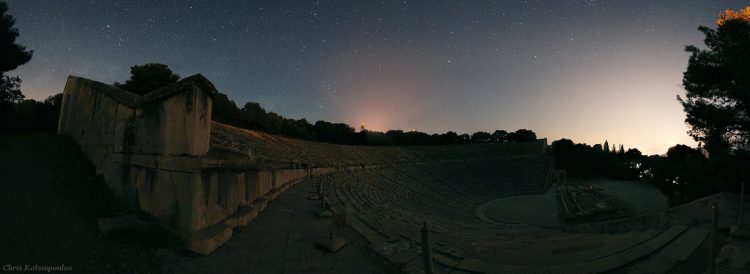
(586, 70)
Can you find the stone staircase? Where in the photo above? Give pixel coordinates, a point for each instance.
(587, 256)
(676, 251)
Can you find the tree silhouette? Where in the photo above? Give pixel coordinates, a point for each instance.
(481, 137)
(717, 82)
(253, 116)
(464, 138)
(12, 55)
(500, 136)
(522, 135)
(606, 146)
(449, 137)
(148, 77)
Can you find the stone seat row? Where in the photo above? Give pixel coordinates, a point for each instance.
(605, 259)
(373, 204)
(393, 201)
(281, 149)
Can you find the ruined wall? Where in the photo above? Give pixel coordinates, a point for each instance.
(147, 148)
(152, 152)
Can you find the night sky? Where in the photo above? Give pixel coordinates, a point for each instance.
(586, 70)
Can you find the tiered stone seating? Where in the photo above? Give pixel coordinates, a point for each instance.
(392, 191)
(277, 149)
(417, 193)
(393, 202)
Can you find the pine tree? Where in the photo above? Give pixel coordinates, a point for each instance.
(12, 55)
(606, 146)
(717, 84)
(147, 78)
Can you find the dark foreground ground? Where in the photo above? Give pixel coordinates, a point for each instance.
(50, 199)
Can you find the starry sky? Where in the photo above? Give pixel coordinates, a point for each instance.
(587, 70)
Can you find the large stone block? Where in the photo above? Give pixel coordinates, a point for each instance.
(187, 189)
(156, 195)
(149, 150)
(280, 178)
(210, 212)
(231, 190)
(206, 241)
(265, 182)
(252, 189)
(242, 217)
(176, 125)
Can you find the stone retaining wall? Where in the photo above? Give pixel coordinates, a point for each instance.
(147, 148)
(152, 152)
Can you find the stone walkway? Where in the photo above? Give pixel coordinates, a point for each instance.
(283, 240)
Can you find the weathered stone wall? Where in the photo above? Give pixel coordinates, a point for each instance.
(147, 148)
(152, 152)
(224, 192)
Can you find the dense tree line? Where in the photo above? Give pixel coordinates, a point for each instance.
(12, 55)
(586, 160)
(253, 116)
(717, 85)
(717, 104)
(686, 173)
(32, 115)
(683, 174)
